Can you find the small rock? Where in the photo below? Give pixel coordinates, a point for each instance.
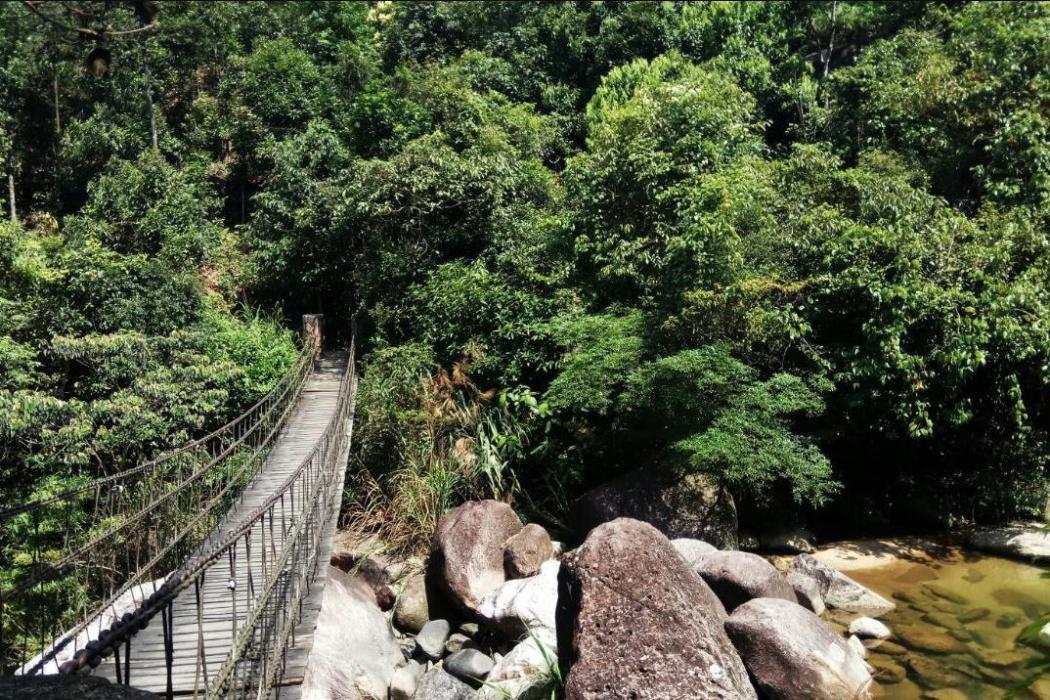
(942, 620)
(869, 628)
(807, 592)
(737, 577)
(888, 671)
(411, 610)
(525, 551)
(927, 639)
(974, 615)
(469, 665)
(857, 646)
(386, 596)
(973, 576)
(796, 541)
(840, 591)
(431, 639)
(891, 648)
(436, 684)
(405, 680)
(749, 542)
(693, 551)
(933, 673)
(945, 694)
(469, 628)
(458, 641)
(557, 548)
(525, 672)
(946, 593)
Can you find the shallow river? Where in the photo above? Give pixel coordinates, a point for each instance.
(956, 625)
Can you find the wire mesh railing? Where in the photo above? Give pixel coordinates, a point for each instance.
(239, 597)
(74, 561)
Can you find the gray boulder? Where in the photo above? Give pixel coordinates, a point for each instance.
(525, 604)
(635, 621)
(678, 505)
(354, 653)
(469, 665)
(467, 551)
(737, 577)
(1025, 541)
(431, 639)
(840, 591)
(693, 551)
(807, 591)
(436, 684)
(793, 655)
(525, 552)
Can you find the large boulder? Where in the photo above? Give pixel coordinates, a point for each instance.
(737, 577)
(793, 655)
(840, 591)
(693, 551)
(807, 591)
(354, 653)
(635, 621)
(525, 604)
(525, 552)
(466, 558)
(1026, 541)
(678, 505)
(527, 672)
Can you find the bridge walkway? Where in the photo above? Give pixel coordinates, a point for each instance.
(227, 586)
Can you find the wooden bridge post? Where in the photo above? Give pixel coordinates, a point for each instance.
(313, 326)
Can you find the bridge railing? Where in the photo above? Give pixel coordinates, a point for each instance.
(278, 544)
(72, 562)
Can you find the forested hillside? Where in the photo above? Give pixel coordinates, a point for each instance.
(800, 247)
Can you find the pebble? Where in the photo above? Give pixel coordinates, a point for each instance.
(456, 642)
(404, 681)
(869, 628)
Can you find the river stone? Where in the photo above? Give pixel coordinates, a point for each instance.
(840, 591)
(436, 684)
(887, 671)
(458, 641)
(635, 621)
(524, 604)
(405, 680)
(934, 673)
(431, 639)
(693, 551)
(469, 665)
(526, 672)
(857, 646)
(807, 592)
(927, 639)
(869, 628)
(793, 655)
(891, 648)
(943, 620)
(973, 615)
(737, 577)
(525, 551)
(678, 505)
(61, 687)
(466, 557)
(354, 652)
(411, 609)
(945, 593)
(1027, 541)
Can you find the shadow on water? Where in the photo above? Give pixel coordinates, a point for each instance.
(957, 620)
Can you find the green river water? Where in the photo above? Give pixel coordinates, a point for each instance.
(956, 625)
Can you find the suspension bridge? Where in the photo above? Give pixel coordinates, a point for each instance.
(200, 573)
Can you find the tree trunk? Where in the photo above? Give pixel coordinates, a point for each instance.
(152, 112)
(58, 114)
(11, 189)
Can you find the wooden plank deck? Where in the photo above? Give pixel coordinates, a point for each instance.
(221, 606)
